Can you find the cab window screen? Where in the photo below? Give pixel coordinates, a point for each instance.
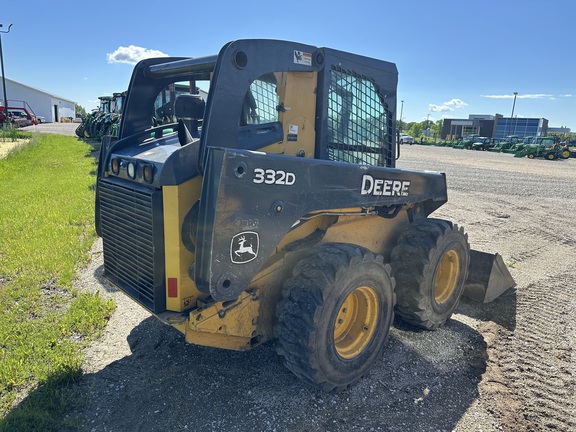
(261, 101)
(358, 121)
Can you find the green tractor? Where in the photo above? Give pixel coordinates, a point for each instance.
(543, 147)
(467, 142)
(519, 145)
(505, 144)
(90, 127)
(110, 122)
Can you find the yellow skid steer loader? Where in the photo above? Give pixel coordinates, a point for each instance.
(253, 195)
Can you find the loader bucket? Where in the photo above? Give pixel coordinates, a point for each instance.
(488, 277)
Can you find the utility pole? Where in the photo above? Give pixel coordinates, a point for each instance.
(512, 116)
(3, 75)
(401, 111)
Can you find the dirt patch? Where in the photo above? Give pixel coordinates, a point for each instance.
(7, 147)
(502, 366)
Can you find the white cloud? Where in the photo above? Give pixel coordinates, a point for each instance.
(456, 103)
(451, 105)
(439, 108)
(132, 54)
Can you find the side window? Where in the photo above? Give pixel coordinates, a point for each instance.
(261, 102)
(164, 103)
(358, 121)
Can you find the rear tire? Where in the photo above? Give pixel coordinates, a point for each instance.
(80, 130)
(335, 315)
(430, 264)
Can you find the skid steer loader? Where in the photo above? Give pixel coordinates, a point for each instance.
(272, 209)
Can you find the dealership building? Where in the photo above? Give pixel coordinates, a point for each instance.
(41, 103)
(494, 126)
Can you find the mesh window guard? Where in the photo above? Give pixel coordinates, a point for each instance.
(264, 103)
(358, 121)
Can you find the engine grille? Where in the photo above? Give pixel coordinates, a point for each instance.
(133, 237)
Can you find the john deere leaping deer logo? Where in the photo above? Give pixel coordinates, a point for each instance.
(244, 247)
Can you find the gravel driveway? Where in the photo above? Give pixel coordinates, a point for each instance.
(504, 366)
(68, 129)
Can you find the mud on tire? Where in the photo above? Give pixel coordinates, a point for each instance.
(335, 315)
(430, 265)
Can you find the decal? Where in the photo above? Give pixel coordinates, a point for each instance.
(303, 58)
(384, 187)
(292, 133)
(244, 247)
(270, 176)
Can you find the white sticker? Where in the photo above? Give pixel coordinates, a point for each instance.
(244, 247)
(303, 58)
(293, 129)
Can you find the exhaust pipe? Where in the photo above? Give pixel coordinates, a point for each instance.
(488, 277)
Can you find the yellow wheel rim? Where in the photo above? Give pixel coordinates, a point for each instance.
(446, 276)
(356, 322)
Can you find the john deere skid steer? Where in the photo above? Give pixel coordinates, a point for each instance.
(253, 195)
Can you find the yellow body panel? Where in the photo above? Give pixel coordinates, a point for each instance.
(297, 92)
(372, 232)
(177, 201)
(229, 325)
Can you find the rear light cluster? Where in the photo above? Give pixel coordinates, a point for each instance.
(134, 170)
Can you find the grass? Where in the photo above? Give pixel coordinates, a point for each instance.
(46, 229)
(13, 134)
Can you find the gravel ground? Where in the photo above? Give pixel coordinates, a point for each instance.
(504, 366)
(68, 129)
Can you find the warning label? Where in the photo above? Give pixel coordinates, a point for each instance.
(303, 58)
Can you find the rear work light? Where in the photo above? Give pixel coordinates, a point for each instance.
(115, 166)
(131, 170)
(148, 173)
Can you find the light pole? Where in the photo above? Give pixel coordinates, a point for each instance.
(3, 76)
(512, 116)
(401, 111)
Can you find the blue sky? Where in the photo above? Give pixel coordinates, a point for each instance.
(455, 57)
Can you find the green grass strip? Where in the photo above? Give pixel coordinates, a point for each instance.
(46, 229)
(13, 134)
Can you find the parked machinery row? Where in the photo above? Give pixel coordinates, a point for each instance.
(104, 120)
(531, 147)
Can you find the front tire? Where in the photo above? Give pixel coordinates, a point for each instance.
(430, 264)
(335, 315)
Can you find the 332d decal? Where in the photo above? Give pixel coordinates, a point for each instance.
(270, 176)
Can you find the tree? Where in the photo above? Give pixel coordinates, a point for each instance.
(80, 111)
(416, 130)
(436, 128)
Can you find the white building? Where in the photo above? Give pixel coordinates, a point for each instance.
(53, 108)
